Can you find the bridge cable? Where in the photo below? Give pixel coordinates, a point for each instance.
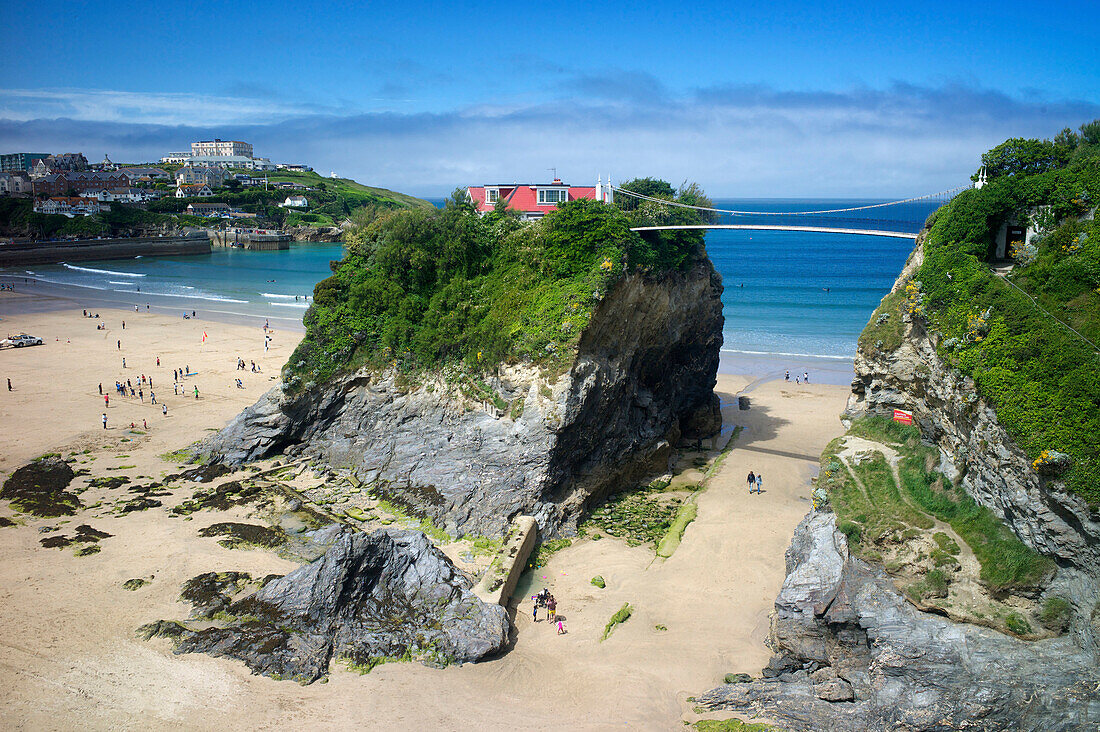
(948, 192)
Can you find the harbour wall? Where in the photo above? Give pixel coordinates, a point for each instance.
(26, 253)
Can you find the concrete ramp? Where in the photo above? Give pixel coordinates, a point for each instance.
(499, 581)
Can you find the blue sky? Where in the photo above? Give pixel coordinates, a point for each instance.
(752, 99)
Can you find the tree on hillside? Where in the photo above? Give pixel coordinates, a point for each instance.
(651, 187)
(1020, 156)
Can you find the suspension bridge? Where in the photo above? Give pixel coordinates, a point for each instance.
(848, 220)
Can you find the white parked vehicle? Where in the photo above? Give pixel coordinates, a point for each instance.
(21, 340)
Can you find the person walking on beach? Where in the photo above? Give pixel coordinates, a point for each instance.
(101, 389)
(158, 360)
(752, 481)
(120, 345)
(787, 376)
(104, 420)
(152, 397)
(124, 325)
(164, 409)
(806, 377)
(759, 483)
(561, 628)
(535, 610)
(551, 608)
(9, 386)
(106, 401)
(123, 362)
(196, 391)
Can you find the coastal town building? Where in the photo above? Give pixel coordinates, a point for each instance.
(213, 177)
(20, 161)
(534, 200)
(295, 202)
(210, 210)
(239, 162)
(123, 195)
(176, 158)
(59, 163)
(185, 190)
(107, 164)
(144, 175)
(54, 184)
(96, 180)
(70, 206)
(294, 167)
(15, 183)
(221, 148)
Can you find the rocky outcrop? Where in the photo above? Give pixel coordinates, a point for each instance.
(973, 444)
(642, 378)
(853, 654)
(390, 595)
(316, 233)
(40, 488)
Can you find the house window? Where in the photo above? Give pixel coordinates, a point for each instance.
(492, 195)
(552, 197)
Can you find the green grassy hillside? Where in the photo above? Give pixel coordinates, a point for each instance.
(1011, 336)
(425, 288)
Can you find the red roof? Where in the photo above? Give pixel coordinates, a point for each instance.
(525, 197)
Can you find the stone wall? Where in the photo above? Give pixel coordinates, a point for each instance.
(21, 254)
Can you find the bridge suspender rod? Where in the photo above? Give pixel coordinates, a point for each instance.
(947, 193)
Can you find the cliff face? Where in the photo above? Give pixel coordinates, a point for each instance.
(853, 654)
(851, 651)
(973, 444)
(642, 378)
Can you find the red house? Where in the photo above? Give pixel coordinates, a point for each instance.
(533, 201)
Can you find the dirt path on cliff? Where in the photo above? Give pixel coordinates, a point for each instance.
(69, 655)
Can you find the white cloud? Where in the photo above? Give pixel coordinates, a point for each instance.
(735, 141)
(91, 105)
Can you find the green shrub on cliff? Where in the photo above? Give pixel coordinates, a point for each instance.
(426, 288)
(1042, 379)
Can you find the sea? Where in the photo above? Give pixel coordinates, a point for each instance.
(793, 301)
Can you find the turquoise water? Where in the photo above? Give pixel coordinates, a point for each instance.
(231, 283)
(796, 300)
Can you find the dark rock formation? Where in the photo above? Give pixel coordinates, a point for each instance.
(384, 596)
(642, 378)
(38, 488)
(853, 654)
(240, 534)
(85, 534)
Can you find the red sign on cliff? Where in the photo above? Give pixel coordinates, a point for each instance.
(900, 415)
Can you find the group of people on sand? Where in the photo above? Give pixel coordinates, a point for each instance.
(242, 367)
(756, 482)
(804, 379)
(550, 606)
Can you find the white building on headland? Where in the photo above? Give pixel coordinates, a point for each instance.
(295, 202)
(220, 147)
(176, 158)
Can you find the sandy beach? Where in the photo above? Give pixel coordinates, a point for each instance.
(67, 627)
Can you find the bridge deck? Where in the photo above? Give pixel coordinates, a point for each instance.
(776, 227)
